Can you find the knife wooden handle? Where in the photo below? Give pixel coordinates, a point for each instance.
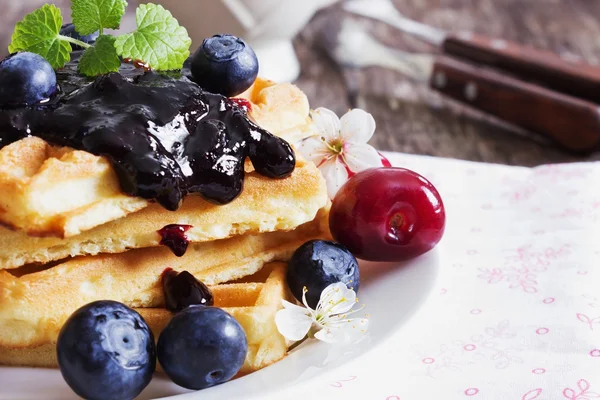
(543, 67)
(571, 122)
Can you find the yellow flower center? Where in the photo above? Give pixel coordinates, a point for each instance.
(336, 146)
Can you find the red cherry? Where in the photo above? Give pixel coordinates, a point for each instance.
(387, 214)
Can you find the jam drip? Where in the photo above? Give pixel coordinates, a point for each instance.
(174, 237)
(182, 290)
(163, 134)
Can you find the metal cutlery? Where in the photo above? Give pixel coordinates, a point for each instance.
(569, 76)
(572, 122)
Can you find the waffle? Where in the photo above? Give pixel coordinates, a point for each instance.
(253, 302)
(265, 205)
(51, 191)
(35, 304)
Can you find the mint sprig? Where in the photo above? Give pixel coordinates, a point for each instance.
(90, 16)
(38, 33)
(101, 58)
(158, 41)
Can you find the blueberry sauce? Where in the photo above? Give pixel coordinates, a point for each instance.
(173, 236)
(182, 290)
(164, 135)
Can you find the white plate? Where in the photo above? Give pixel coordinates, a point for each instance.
(392, 293)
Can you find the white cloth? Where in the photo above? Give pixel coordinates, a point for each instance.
(515, 311)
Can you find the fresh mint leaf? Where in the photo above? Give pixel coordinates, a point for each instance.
(90, 16)
(38, 33)
(159, 40)
(100, 59)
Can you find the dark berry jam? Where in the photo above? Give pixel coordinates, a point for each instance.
(164, 135)
(173, 236)
(182, 290)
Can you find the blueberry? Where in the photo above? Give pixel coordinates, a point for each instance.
(317, 264)
(225, 64)
(182, 290)
(106, 351)
(26, 79)
(202, 347)
(69, 30)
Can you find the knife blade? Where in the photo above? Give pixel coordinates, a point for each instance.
(570, 122)
(566, 75)
(356, 48)
(384, 10)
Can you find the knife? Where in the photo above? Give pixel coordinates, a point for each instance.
(569, 76)
(571, 122)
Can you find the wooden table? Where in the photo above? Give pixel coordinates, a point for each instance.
(409, 117)
(412, 119)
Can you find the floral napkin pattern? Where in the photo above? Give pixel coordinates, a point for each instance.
(515, 311)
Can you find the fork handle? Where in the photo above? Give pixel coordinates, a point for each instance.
(572, 77)
(571, 122)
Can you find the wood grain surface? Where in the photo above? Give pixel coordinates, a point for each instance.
(410, 117)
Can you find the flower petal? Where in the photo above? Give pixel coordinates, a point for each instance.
(294, 307)
(293, 325)
(351, 331)
(327, 335)
(326, 123)
(336, 299)
(357, 126)
(335, 174)
(344, 332)
(314, 149)
(359, 157)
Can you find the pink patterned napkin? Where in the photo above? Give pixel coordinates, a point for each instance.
(515, 313)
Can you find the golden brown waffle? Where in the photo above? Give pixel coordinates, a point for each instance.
(61, 192)
(253, 302)
(280, 108)
(33, 306)
(265, 205)
(47, 190)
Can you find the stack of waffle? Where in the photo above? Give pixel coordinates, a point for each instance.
(71, 237)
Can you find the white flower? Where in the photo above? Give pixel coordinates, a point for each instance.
(339, 148)
(329, 322)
